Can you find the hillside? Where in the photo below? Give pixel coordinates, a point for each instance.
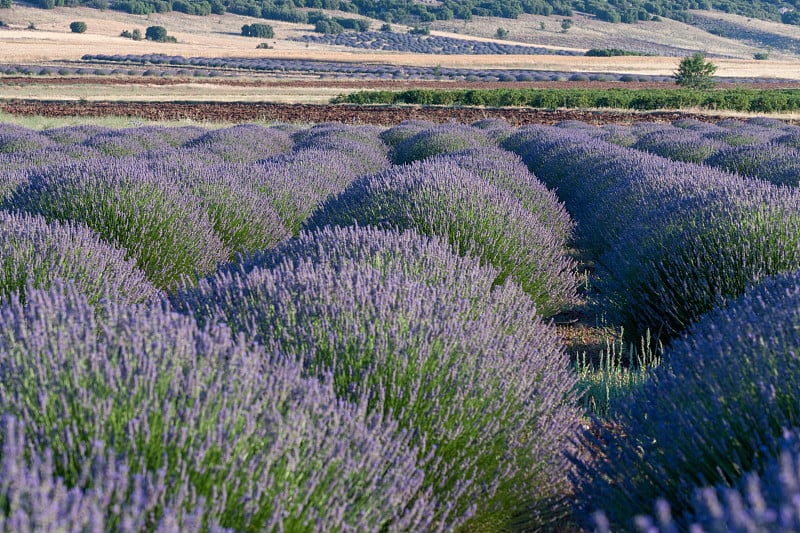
(418, 12)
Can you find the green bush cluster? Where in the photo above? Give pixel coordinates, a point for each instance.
(77, 27)
(738, 99)
(264, 31)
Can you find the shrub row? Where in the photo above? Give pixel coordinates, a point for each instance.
(751, 100)
(186, 428)
(180, 201)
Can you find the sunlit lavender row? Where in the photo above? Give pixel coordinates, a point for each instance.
(360, 328)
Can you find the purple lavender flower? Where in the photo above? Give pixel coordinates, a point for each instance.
(429, 338)
(437, 140)
(36, 252)
(244, 143)
(772, 161)
(163, 227)
(508, 172)
(211, 419)
(440, 198)
(405, 130)
(715, 410)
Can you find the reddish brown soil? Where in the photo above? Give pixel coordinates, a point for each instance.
(307, 113)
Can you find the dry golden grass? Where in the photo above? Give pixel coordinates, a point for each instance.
(219, 36)
(189, 92)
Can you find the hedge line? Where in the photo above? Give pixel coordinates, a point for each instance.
(738, 99)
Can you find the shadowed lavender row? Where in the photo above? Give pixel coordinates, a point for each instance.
(725, 404)
(673, 239)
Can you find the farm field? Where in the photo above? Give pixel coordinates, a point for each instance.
(229, 304)
(384, 318)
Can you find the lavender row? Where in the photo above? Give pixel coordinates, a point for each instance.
(672, 239)
(759, 502)
(186, 427)
(440, 197)
(429, 44)
(762, 149)
(694, 423)
(230, 66)
(181, 201)
(469, 367)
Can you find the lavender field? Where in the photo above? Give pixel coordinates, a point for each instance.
(360, 328)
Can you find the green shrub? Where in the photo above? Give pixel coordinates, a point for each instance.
(77, 27)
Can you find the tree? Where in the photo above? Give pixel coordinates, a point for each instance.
(695, 72)
(156, 33)
(77, 27)
(264, 31)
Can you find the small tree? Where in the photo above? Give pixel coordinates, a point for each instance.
(501, 33)
(77, 27)
(695, 72)
(264, 31)
(156, 33)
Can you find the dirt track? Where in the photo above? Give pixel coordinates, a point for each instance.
(308, 113)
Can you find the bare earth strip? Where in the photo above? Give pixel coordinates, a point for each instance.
(305, 113)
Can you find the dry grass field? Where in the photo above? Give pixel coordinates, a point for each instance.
(219, 36)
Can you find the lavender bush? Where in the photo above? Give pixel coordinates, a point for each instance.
(475, 217)
(244, 143)
(320, 136)
(406, 129)
(212, 419)
(714, 411)
(74, 134)
(243, 219)
(163, 227)
(35, 252)
(123, 143)
(770, 161)
(15, 139)
(437, 140)
(468, 367)
(298, 183)
(35, 498)
(791, 138)
(508, 172)
(617, 134)
(766, 503)
(679, 145)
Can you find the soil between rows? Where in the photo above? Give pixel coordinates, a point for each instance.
(315, 113)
